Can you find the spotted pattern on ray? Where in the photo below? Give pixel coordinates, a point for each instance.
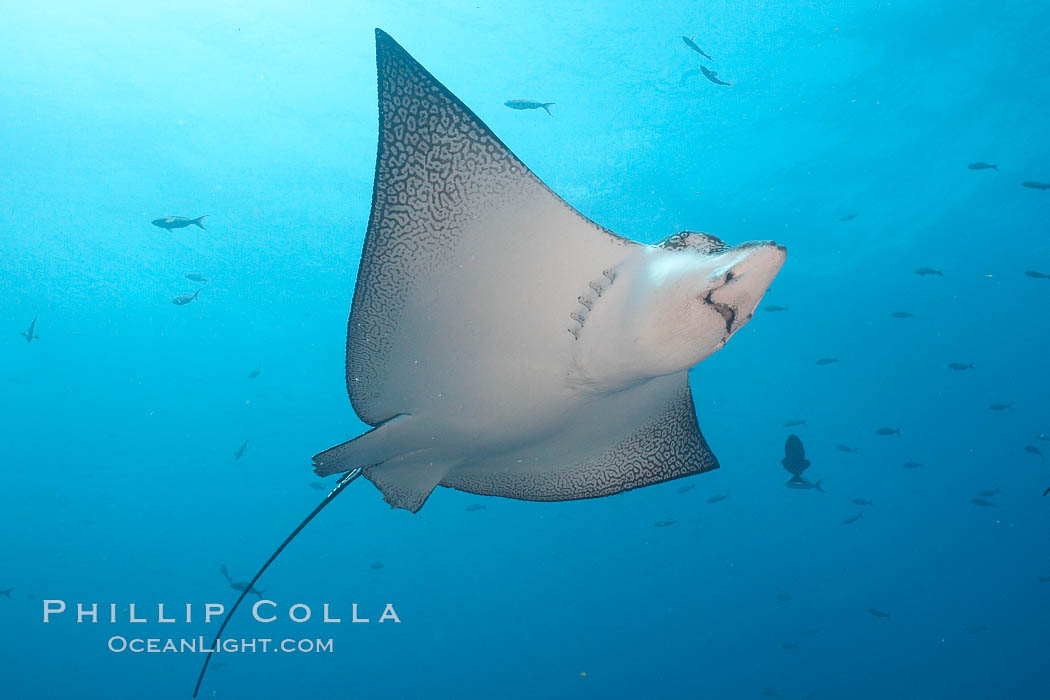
(668, 447)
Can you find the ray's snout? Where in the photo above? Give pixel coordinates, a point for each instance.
(749, 269)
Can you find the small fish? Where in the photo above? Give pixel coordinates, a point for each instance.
(475, 507)
(1032, 449)
(902, 314)
(888, 431)
(687, 488)
(848, 449)
(913, 465)
(183, 299)
(926, 271)
(30, 333)
(772, 308)
(794, 461)
(861, 502)
(794, 423)
(989, 493)
(1047, 490)
(875, 612)
(1044, 579)
(7, 593)
(848, 217)
(317, 486)
(241, 450)
(243, 585)
(225, 573)
(976, 629)
(1033, 185)
(797, 482)
(254, 373)
(770, 693)
(853, 518)
(664, 523)
(983, 166)
(197, 277)
(717, 497)
(530, 104)
(999, 406)
(713, 76)
(827, 361)
(1043, 436)
(783, 597)
(376, 565)
(788, 645)
(983, 502)
(173, 222)
(692, 44)
(959, 366)
(1034, 274)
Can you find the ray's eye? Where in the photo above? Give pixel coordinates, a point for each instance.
(729, 277)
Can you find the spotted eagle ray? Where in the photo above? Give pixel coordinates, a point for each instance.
(501, 343)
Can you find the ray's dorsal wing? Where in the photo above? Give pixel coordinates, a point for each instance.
(471, 265)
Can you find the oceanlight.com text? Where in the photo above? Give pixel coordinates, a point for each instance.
(199, 645)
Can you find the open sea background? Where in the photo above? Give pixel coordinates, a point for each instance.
(119, 424)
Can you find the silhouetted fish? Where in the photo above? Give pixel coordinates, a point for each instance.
(530, 104)
(1032, 449)
(183, 299)
(988, 493)
(664, 523)
(712, 76)
(959, 366)
(983, 166)
(912, 465)
(686, 488)
(717, 497)
(853, 518)
(376, 565)
(783, 597)
(1044, 579)
(795, 456)
(243, 585)
(827, 361)
(1033, 185)
(197, 277)
(848, 218)
(7, 593)
(888, 431)
(983, 502)
(1047, 490)
(925, 271)
(774, 307)
(692, 44)
(788, 645)
(976, 629)
(847, 448)
(770, 693)
(797, 482)
(1035, 274)
(902, 314)
(172, 222)
(30, 333)
(999, 406)
(1043, 436)
(475, 507)
(861, 502)
(254, 373)
(241, 450)
(878, 613)
(318, 486)
(794, 423)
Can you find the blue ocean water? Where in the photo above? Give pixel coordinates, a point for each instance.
(121, 421)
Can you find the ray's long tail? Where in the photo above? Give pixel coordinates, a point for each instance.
(343, 483)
